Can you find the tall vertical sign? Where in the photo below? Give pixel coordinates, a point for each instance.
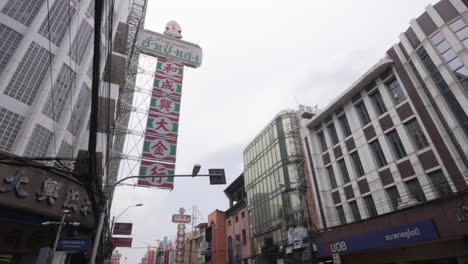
(181, 219)
(160, 141)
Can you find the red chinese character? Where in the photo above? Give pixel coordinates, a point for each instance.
(162, 124)
(165, 104)
(159, 148)
(168, 68)
(155, 171)
(167, 84)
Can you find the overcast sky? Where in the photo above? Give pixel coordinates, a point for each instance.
(260, 57)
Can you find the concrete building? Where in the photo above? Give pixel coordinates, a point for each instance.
(239, 240)
(389, 155)
(217, 230)
(273, 170)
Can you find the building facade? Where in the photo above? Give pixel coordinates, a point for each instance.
(217, 230)
(389, 155)
(273, 169)
(239, 241)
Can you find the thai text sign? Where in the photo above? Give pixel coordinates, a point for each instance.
(183, 219)
(122, 229)
(166, 47)
(122, 241)
(151, 168)
(404, 234)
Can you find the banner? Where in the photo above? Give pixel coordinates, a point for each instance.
(170, 69)
(157, 148)
(162, 125)
(148, 168)
(165, 105)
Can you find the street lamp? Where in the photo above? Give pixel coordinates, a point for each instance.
(65, 213)
(115, 218)
(217, 174)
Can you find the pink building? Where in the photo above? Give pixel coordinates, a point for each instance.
(217, 229)
(239, 246)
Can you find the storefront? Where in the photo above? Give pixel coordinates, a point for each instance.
(32, 201)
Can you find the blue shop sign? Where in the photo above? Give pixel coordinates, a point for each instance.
(67, 243)
(404, 234)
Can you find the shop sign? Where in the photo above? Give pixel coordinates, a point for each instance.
(66, 243)
(166, 47)
(122, 229)
(44, 193)
(152, 168)
(421, 231)
(158, 148)
(177, 218)
(122, 241)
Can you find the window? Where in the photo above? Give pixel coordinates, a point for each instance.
(333, 135)
(370, 205)
(362, 113)
(378, 154)
(237, 218)
(38, 142)
(323, 142)
(344, 171)
(378, 102)
(10, 40)
(81, 42)
(229, 222)
(58, 95)
(344, 125)
(415, 190)
(355, 211)
(229, 242)
(80, 110)
(393, 196)
(243, 214)
(416, 134)
(10, 124)
(22, 11)
(341, 215)
(357, 164)
(61, 13)
(29, 75)
(396, 91)
(331, 177)
(439, 181)
(244, 237)
(397, 146)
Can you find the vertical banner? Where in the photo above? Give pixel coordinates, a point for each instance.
(180, 241)
(148, 168)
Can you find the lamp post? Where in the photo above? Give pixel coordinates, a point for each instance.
(114, 219)
(102, 215)
(65, 213)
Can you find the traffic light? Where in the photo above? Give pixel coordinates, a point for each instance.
(217, 176)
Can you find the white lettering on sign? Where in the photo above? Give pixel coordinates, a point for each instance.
(179, 218)
(338, 247)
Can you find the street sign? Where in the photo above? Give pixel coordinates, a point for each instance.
(122, 241)
(122, 229)
(70, 243)
(217, 176)
(166, 47)
(184, 219)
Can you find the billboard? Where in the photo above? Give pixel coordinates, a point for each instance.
(181, 219)
(152, 168)
(122, 229)
(166, 47)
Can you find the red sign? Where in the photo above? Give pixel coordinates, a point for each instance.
(178, 218)
(122, 241)
(166, 257)
(151, 255)
(122, 229)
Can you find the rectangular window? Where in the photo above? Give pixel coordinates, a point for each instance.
(355, 210)
(10, 41)
(378, 102)
(341, 215)
(331, 177)
(357, 164)
(59, 93)
(332, 130)
(396, 91)
(323, 142)
(61, 13)
(81, 41)
(378, 154)
(38, 142)
(397, 145)
(362, 113)
(344, 125)
(417, 134)
(415, 190)
(244, 237)
(80, 110)
(370, 205)
(28, 77)
(393, 196)
(10, 124)
(23, 11)
(344, 171)
(440, 183)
